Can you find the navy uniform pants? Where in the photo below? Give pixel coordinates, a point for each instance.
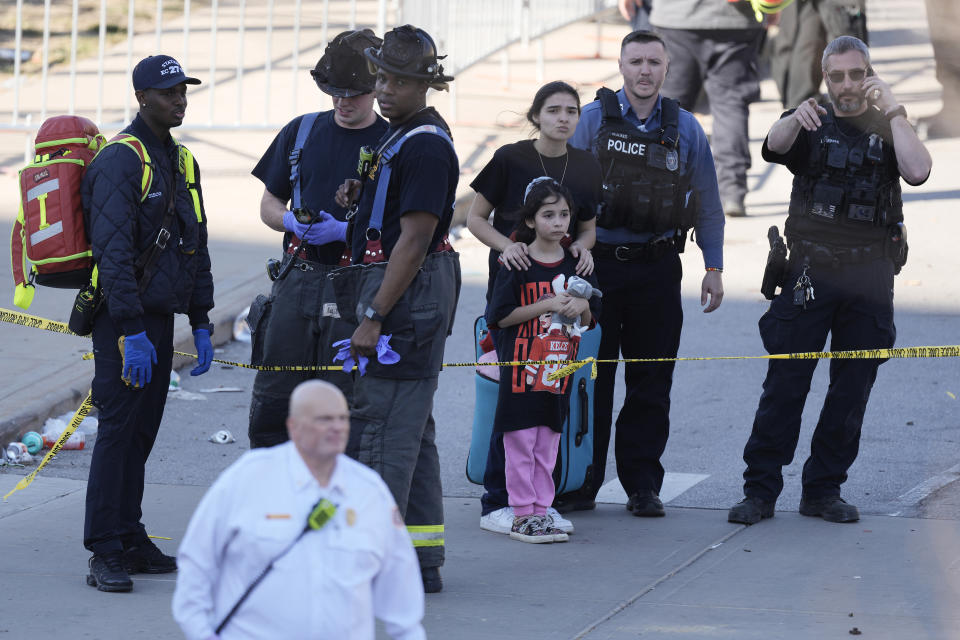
(723, 62)
(296, 325)
(854, 304)
(129, 420)
(641, 317)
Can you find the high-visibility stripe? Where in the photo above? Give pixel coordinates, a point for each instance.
(54, 143)
(46, 187)
(47, 233)
(189, 175)
(426, 535)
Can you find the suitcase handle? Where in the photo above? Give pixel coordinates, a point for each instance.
(584, 412)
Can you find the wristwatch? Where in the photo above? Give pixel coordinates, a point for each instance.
(899, 111)
(373, 315)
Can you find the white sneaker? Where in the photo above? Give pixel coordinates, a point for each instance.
(499, 521)
(558, 520)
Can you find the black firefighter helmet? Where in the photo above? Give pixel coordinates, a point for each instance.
(410, 52)
(342, 71)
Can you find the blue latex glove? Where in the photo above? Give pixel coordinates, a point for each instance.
(201, 339)
(385, 354)
(347, 358)
(138, 354)
(323, 230)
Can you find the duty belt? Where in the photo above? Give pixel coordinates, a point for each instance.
(635, 252)
(833, 255)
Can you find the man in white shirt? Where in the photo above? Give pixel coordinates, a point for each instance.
(353, 559)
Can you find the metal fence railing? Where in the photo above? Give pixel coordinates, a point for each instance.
(249, 52)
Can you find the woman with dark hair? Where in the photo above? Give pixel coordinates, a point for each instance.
(554, 114)
(500, 188)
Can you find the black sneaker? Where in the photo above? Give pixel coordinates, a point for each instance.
(107, 573)
(750, 511)
(830, 508)
(432, 582)
(646, 504)
(145, 557)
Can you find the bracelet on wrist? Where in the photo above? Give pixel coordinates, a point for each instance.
(900, 110)
(717, 269)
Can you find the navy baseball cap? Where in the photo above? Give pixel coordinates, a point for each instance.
(159, 72)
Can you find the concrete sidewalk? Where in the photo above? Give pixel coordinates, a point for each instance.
(689, 575)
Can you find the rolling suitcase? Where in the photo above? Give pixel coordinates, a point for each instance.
(575, 457)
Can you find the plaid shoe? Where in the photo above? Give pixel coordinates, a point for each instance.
(551, 529)
(530, 529)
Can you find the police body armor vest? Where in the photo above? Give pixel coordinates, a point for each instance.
(643, 189)
(849, 194)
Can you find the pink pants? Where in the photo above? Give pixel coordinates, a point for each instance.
(530, 456)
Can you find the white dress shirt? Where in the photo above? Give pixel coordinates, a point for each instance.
(330, 584)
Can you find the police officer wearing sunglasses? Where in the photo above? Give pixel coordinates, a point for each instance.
(846, 240)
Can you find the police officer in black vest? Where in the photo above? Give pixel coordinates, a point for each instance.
(846, 239)
(659, 182)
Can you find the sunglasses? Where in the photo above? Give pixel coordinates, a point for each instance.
(856, 75)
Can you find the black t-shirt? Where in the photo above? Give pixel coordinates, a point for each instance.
(328, 158)
(504, 179)
(520, 403)
(424, 177)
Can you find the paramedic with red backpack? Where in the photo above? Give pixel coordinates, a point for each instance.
(134, 212)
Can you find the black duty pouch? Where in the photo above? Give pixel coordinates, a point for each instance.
(861, 204)
(897, 247)
(640, 206)
(609, 214)
(776, 264)
(827, 201)
(85, 307)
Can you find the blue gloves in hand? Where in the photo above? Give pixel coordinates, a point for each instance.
(385, 355)
(138, 358)
(323, 230)
(201, 339)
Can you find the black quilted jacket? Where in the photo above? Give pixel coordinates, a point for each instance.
(121, 228)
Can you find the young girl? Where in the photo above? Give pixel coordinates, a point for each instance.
(499, 187)
(531, 409)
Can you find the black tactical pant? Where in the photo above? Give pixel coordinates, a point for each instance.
(805, 28)
(129, 421)
(723, 62)
(854, 304)
(296, 325)
(641, 318)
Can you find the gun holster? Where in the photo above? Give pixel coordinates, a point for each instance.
(776, 264)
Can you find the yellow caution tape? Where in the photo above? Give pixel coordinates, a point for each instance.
(26, 320)
(78, 417)
(949, 351)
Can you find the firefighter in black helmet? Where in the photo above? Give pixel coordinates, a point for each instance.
(300, 171)
(406, 288)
